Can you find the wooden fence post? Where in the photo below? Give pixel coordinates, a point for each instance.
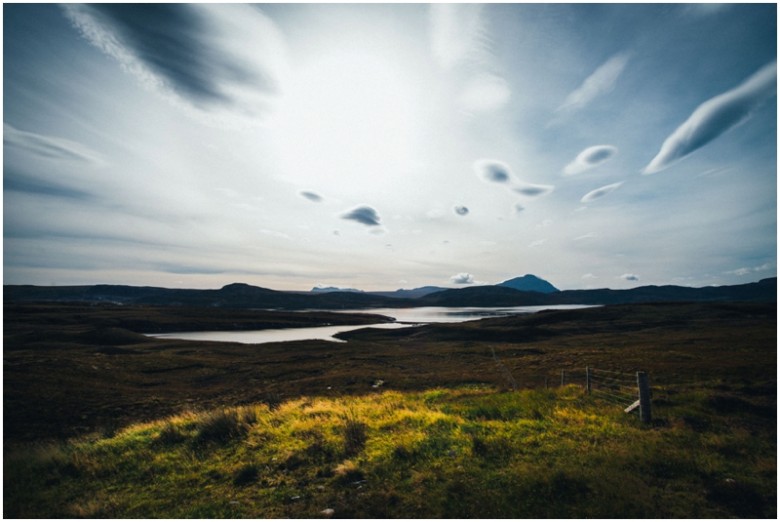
(587, 380)
(545, 383)
(644, 397)
(563, 377)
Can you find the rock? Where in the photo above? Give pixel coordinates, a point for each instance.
(328, 512)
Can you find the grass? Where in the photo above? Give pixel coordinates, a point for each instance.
(469, 452)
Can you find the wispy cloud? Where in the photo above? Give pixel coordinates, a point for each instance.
(630, 277)
(364, 215)
(311, 196)
(461, 39)
(464, 278)
(590, 158)
(458, 34)
(485, 92)
(600, 192)
(215, 57)
(461, 210)
(49, 147)
(14, 180)
(715, 116)
(702, 10)
(749, 270)
(600, 82)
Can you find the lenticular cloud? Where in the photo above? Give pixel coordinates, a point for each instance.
(715, 116)
(590, 158)
(364, 215)
(493, 171)
(600, 82)
(599, 192)
(210, 58)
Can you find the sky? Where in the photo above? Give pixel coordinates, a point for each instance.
(384, 146)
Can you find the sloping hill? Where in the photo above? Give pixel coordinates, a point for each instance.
(530, 283)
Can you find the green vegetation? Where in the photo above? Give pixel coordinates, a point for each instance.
(470, 451)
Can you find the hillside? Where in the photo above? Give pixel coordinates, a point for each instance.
(530, 283)
(239, 295)
(471, 452)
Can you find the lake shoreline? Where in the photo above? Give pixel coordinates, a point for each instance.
(70, 371)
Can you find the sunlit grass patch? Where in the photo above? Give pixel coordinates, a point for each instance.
(443, 453)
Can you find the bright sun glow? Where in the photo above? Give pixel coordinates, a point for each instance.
(347, 124)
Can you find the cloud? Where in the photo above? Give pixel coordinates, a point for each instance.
(748, 270)
(630, 277)
(15, 181)
(590, 158)
(311, 196)
(485, 92)
(218, 57)
(461, 210)
(493, 171)
(601, 81)
(48, 147)
(463, 278)
(537, 243)
(715, 116)
(364, 215)
(458, 34)
(461, 40)
(518, 208)
(589, 276)
(702, 10)
(531, 190)
(600, 192)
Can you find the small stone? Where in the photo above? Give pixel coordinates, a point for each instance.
(234, 502)
(328, 512)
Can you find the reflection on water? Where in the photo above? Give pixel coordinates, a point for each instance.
(439, 314)
(323, 333)
(405, 318)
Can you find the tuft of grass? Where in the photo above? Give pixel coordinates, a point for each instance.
(221, 427)
(355, 433)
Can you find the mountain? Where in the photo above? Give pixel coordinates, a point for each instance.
(530, 283)
(764, 290)
(483, 296)
(329, 289)
(240, 295)
(413, 293)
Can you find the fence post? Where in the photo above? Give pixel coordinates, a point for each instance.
(587, 380)
(563, 377)
(545, 383)
(644, 396)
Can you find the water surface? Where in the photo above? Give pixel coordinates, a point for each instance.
(405, 318)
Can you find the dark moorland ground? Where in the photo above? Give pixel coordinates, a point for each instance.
(441, 421)
(71, 369)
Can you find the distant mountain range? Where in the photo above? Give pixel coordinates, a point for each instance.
(526, 283)
(239, 295)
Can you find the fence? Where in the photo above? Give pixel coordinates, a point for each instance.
(629, 391)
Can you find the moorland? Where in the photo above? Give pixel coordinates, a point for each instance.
(445, 420)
